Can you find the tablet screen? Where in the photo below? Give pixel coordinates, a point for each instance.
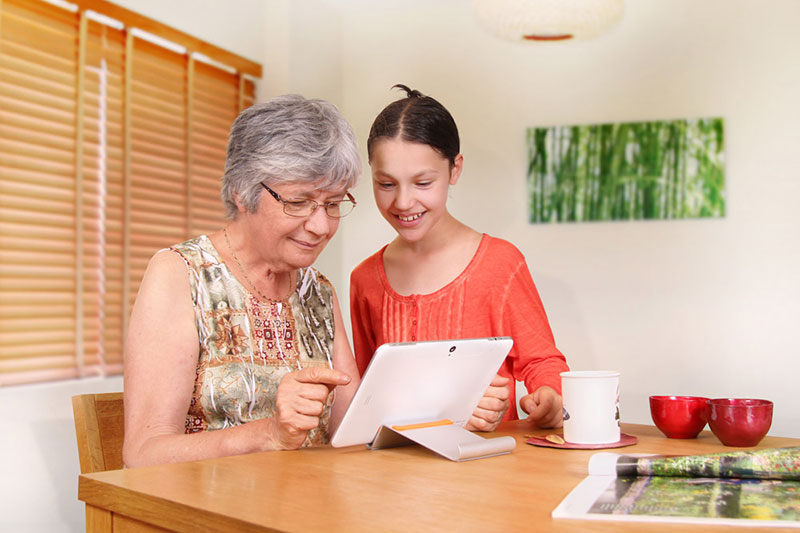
(420, 382)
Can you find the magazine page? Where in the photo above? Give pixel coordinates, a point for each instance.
(761, 493)
(770, 463)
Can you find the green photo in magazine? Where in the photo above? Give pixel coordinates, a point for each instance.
(753, 487)
(771, 463)
(758, 499)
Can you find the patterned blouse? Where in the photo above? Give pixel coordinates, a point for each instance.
(247, 344)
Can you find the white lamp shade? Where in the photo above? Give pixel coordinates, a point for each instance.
(548, 20)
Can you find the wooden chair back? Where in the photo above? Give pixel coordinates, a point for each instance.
(100, 430)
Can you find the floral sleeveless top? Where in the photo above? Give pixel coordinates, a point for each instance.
(247, 344)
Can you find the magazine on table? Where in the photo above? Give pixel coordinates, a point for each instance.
(747, 488)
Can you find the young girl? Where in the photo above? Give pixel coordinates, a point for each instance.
(441, 279)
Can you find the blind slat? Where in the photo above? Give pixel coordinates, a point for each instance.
(35, 119)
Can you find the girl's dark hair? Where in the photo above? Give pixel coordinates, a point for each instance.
(417, 118)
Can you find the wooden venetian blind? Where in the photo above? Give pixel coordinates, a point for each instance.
(111, 148)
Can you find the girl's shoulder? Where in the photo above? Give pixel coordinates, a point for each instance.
(499, 264)
(369, 268)
(501, 250)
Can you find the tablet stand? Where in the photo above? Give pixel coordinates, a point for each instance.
(445, 438)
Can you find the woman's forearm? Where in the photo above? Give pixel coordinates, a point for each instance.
(255, 436)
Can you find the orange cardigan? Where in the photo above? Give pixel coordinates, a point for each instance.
(494, 296)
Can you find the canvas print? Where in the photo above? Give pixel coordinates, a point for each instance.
(627, 171)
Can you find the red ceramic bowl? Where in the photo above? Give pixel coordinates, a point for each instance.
(679, 417)
(739, 421)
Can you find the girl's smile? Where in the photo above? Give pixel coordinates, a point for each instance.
(410, 219)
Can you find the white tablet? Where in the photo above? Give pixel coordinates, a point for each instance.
(421, 382)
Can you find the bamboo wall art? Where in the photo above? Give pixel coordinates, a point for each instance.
(627, 171)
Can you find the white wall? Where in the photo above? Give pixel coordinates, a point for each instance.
(705, 307)
(235, 26)
(39, 488)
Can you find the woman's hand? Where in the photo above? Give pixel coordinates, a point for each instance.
(299, 403)
(544, 407)
(492, 407)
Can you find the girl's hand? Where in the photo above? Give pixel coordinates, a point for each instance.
(492, 407)
(544, 407)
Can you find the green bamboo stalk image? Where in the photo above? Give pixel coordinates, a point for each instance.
(626, 171)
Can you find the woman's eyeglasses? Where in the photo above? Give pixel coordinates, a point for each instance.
(305, 208)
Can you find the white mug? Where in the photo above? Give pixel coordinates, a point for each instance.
(591, 406)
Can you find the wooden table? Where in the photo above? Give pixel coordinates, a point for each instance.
(355, 489)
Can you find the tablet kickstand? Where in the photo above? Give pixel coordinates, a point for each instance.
(445, 438)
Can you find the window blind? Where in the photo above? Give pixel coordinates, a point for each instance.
(111, 148)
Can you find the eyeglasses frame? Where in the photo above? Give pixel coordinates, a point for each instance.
(316, 205)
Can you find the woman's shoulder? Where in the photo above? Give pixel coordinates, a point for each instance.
(312, 274)
(310, 282)
(195, 246)
(179, 253)
(197, 253)
(166, 271)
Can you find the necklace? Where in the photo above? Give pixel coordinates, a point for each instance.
(244, 272)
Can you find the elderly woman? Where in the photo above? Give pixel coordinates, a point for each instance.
(236, 343)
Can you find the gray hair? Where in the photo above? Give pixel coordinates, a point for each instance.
(289, 139)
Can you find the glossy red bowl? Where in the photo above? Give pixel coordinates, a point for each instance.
(739, 421)
(679, 417)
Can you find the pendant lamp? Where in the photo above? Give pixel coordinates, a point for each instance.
(548, 20)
